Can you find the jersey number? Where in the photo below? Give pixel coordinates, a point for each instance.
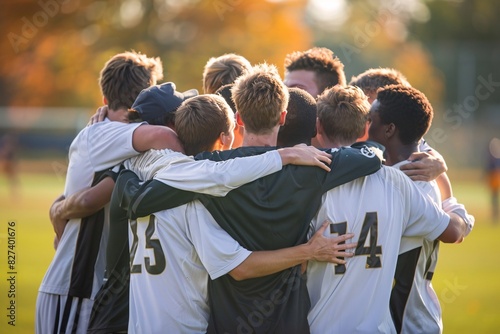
(159, 257)
(370, 226)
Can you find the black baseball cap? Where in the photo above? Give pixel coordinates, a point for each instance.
(157, 101)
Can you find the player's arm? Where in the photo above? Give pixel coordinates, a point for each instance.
(455, 231)
(173, 181)
(148, 137)
(425, 166)
(81, 204)
(318, 248)
(305, 156)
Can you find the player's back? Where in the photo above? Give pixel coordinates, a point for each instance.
(379, 209)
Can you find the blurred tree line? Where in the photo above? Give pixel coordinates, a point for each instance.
(53, 50)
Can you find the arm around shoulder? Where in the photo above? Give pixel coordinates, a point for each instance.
(148, 137)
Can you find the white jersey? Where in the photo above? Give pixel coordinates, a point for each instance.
(379, 209)
(96, 148)
(203, 176)
(171, 255)
(176, 250)
(420, 312)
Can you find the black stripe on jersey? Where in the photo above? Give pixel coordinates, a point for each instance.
(77, 315)
(403, 277)
(58, 312)
(87, 248)
(66, 314)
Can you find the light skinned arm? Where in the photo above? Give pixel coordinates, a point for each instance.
(425, 166)
(81, 204)
(148, 137)
(318, 248)
(305, 156)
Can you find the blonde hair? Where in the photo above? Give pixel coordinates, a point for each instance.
(260, 97)
(343, 113)
(125, 75)
(223, 70)
(200, 120)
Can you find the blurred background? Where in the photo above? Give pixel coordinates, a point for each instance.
(52, 52)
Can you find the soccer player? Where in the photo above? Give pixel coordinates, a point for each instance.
(401, 115)
(425, 165)
(153, 103)
(374, 78)
(67, 291)
(221, 71)
(314, 70)
(300, 125)
(380, 209)
(270, 213)
(188, 244)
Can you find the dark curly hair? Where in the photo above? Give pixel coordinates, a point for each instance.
(408, 109)
(327, 66)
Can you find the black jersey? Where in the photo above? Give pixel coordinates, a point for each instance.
(270, 213)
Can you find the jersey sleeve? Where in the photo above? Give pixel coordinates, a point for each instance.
(425, 218)
(350, 163)
(217, 178)
(110, 143)
(217, 250)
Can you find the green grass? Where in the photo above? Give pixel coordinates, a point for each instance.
(466, 281)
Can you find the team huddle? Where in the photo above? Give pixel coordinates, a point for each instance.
(264, 205)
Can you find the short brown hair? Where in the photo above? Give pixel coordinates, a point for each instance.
(260, 96)
(223, 70)
(200, 120)
(327, 66)
(408, 109)
(125, 75)
(343, 113)
(374, 78)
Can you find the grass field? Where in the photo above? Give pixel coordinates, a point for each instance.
(467, 280)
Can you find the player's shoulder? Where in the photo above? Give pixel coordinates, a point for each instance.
(392, 176)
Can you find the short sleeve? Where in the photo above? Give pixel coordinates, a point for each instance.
(110, 143)
(218, 252)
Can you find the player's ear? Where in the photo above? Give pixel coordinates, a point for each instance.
(319, 127)
(104, 100)
(283, 117)
(239, 121)
(390, 130)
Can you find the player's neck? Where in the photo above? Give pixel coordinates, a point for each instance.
(118, 115)
(252, 139)
(395, 154)
(335, 143)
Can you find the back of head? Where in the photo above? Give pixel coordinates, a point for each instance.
(226, 92)
(223, 70)
(157, 104)
(125, 75)
(408, 109)
(200, 120)
(327, 66)
(260, 97)
(343, 112)
(300, 125)
(374, 78)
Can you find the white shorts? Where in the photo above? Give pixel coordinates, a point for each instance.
(62, 314)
